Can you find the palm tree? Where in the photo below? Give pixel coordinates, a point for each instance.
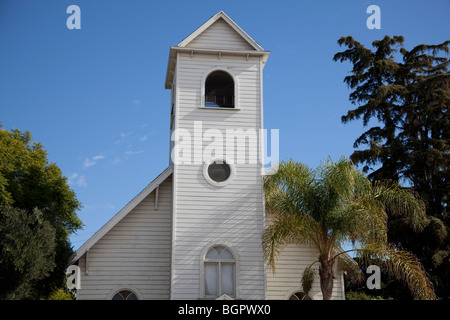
(336, 204)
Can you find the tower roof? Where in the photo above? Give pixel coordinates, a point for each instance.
(219, 34)
(215, 19)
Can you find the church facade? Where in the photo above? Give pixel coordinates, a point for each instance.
(195, 231)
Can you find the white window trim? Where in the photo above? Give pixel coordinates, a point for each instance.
(202, 271)
(236, 88)
(223, 109)
(117, 289)
(300, 289)
(215, 183)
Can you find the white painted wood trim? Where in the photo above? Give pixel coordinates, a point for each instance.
(244, 53)
(342, 284)
(86, 271)
(122, 213)
(156, 197)
(221, 109)
(290, 293)
(174, 192)
(215, 183)
(171, 65)
(262, 151)
(202, 269)
(117, 289)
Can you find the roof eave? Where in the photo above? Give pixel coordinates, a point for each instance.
(173, 58)
(122, 213)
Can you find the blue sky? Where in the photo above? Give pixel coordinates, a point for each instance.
(95, 97)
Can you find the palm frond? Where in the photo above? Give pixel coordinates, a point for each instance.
(401, 264)
(349, 266)
(284, 230)
(307, 278)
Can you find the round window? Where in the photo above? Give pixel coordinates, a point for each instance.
(218, 172)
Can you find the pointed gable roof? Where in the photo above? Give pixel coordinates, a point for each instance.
(221, 24)
(218, 34)
(122, 213)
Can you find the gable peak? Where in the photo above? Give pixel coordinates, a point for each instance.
(217, 18)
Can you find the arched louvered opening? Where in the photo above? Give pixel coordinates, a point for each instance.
(219, 90)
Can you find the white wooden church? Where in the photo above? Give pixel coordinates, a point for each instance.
(195, 231)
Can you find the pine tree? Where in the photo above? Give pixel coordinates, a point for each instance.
(407, 93)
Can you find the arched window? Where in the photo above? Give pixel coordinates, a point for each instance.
(125, 295)
(219, 272)
(219, 90)
(299, 296)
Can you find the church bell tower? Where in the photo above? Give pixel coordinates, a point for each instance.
(216, 79)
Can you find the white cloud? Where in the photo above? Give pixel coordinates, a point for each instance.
(82, 182)
(136, 102)
(76, 179)
(123, 137)
(147, 135)
(116, 160)
(71, 178)
(89, 162)
(133, 152)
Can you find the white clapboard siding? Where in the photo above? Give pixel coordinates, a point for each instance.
(135, 254)
(231, 215)
(289, 267)
(220, 36)
(285, 279)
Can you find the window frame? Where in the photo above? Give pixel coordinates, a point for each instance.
(295, 293)
(232, 74)
(118, 289)
(215, 183)
(219, 262)
(126, 298)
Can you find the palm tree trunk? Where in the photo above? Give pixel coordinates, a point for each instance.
(326, 274)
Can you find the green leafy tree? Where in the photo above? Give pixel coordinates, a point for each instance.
(28, 182)
(27, 244)
(336, 204)
(405, 95)
(62, 294)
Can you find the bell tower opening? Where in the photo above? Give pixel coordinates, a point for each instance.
(219, 90)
